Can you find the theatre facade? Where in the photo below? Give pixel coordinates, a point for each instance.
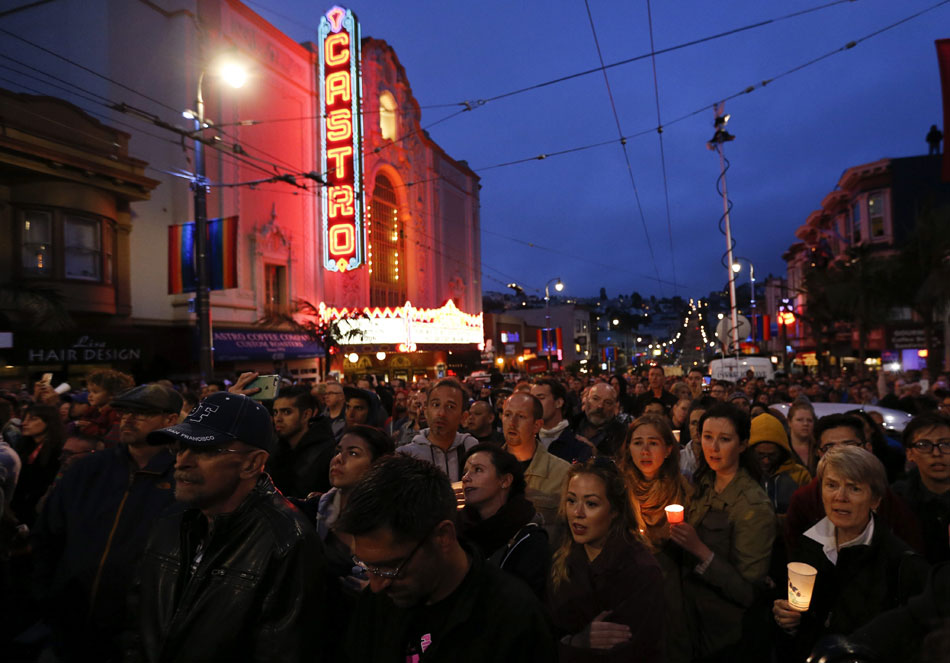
(332, 209)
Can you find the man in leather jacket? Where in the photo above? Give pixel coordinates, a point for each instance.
(239, 575)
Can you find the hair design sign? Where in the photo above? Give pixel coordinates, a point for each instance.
(341, 148)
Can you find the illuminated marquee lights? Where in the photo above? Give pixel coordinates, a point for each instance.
(407, 326)
(341, 153)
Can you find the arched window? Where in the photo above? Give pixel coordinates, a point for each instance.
(387, 116)
(387, 241)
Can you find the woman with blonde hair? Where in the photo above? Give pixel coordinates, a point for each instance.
(606, 595)
(650, 464)
(863, 568)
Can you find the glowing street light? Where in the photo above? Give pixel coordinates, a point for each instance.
(231, 75)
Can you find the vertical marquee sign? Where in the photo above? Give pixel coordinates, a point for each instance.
(341, 154)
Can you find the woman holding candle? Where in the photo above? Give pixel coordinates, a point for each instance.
(606, 594)
(650, 465)
(863, 570)
(729, 530)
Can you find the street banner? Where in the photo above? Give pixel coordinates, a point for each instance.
(183, 256)
(943, 58)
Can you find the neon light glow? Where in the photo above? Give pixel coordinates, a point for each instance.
(407, 326)
(341, 147)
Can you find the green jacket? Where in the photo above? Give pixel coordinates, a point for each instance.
(545, 479)
(739, 526)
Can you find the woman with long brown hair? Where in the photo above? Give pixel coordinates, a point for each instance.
(606, 594)
(42, 440)
(801, 426)
(651, 468)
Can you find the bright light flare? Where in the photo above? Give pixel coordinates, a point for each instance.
(233, 73)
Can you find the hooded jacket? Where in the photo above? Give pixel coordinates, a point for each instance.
(305, 468)
(450, 461)
(789, 476)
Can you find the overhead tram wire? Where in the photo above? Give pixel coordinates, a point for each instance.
(663, 51)
(747, 90)
(659, 133)
(623, 143)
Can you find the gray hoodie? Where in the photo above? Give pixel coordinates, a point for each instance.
(451, 462)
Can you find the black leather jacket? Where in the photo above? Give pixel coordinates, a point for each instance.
(257, 592)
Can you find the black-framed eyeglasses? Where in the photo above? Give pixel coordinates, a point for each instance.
(393, 574)
(178, 448)
(926, 446)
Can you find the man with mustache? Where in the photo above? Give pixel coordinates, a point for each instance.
(599, 424)
(89, 537)
(239, 574)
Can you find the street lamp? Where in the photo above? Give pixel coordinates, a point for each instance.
(559, 286)
(720, 137)
(235, 76)
(736, 268)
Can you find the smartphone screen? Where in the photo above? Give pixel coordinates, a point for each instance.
(706, 380)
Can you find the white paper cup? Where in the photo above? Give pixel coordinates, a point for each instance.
(676, 434)
(674, 513)
(801, 582)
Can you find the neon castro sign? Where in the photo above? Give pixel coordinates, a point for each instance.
(341, 153)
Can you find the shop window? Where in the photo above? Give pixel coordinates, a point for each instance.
(59, 244)
(387, 247)
(275, 290)
(876, 215)
(387, 116)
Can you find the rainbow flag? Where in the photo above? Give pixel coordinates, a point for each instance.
(222, 255)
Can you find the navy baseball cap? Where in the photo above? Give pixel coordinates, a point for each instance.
(219, 419)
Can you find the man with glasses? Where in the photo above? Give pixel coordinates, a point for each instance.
(926, 489)
(430, 598)
(806, 507)
(336, 407)
(89, 537)
(239, 575)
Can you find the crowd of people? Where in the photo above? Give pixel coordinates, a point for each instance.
(630, 517)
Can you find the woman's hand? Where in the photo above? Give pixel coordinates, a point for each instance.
(604, 634)
(786, 616)
(685, 536)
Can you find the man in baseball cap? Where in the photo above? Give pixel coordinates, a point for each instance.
(240, 573)
(89, 538)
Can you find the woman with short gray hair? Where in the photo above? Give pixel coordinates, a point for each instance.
(863, 568)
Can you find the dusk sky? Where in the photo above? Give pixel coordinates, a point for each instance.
(794, 137)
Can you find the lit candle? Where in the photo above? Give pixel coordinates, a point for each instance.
(801, 582)
(674, 514)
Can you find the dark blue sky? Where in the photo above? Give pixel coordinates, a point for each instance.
(794, 136)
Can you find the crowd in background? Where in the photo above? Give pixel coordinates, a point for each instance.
(491, 518)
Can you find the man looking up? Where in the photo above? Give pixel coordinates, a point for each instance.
(599, 425)
(305, 444)
(806, 507)
(927, 487)
(239, 575)
(555, 434)
(89, 537)
(543, 473)
(441, 443)
(430, 599)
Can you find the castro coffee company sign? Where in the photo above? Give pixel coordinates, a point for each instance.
(83, 350)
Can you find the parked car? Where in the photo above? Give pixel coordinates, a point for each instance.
(894, 420)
